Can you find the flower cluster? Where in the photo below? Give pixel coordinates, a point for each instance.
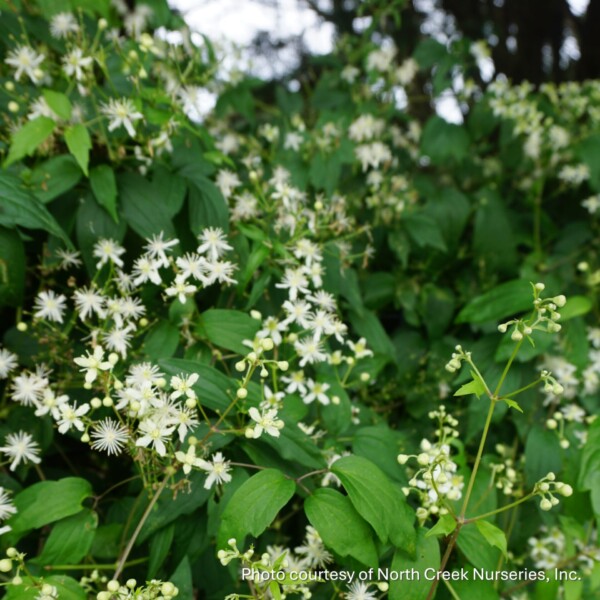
(436, 481)
(547, 487)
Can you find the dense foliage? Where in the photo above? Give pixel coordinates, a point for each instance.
(291, 348)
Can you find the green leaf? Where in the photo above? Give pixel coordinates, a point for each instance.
(476, 549)
(379, 444)
(424, 231)
(168, 509)
(590, 457)
(58, 103)
(576, 306)
(503, 301)
(161, 341)
(182, 578)
(295, 446)
(377, 500)
(67, 588)
(54, 177)
(12, 268)
(26, 139)
(542, 454)
(143, 208)
(427, 556)
(46, 502)
(493, 535)
(70, 539)
(443, 142)
(444, 526)
(367, 325)
(207, 206)
(513, 404)
(19, 207)
(160, 544)
(227, 328)
(171, 188)
(589, 151)
(254, 506)
(476, 386)
(104, 186)
(341, 528)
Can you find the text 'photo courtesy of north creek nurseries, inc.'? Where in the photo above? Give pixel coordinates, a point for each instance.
(299, 299)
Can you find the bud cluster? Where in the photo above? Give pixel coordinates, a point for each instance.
(505, 475)
(545, 317)
(547, 487)
(456, 359)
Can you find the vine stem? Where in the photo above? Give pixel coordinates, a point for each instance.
(136, 533)
(460, 520)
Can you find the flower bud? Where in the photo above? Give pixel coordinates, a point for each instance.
(13, 106)
(564, 444)
(113, 586)
(540, 287)
(565, 489)
(242, 393)
(551, 424)
(560, 301)
(403, 458)
(267, 344)
(240, 366)
(284, 365)
(5, 565)
(545, 504)
(516, 336)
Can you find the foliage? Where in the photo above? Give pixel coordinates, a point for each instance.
(226, 333)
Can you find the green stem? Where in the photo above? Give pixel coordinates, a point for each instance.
(129, 547)
(99, 567)
(500, 510)
(445, 558)
(513, 394)
(486, 429)
(507, 367)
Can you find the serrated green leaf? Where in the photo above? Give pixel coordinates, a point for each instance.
(377, 500)
(254, 506)
(476, 386)
(26, 139)
(340, 526)
(58, 103)
(79, 143)
(493, 535)
(445, 525)
(104, 186)
(513, 404)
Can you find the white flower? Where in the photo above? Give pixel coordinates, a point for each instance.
(143, 374)
(592, 204)
(146, 269)
(7, 508)
(360, 348)
(295, 382)
(68, 258)
(320, 323)
(221, 271)
(8, 362)
(317, 392)
(118, 339)
(50, 306)
(21, 447)
(155, 434)
(62, 25)
(272, 328)
(295, 281)
(25, 60)
(218, 470)
(298, 311)
(293, 141)
(121, 112)
(349, 73)
(181, 289)
(74, 64)
(157, 248)
(27, 388)
(192, 265)
(183, 385)
(189, 459)
(213, 241)
(227, 181)
(89, 301)
(313, 549)
(108, 250)
(69, 417)
(359, 591)
(92, 363)
(265, 421)
(310, 351)
(109, 436)
(50, 403)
